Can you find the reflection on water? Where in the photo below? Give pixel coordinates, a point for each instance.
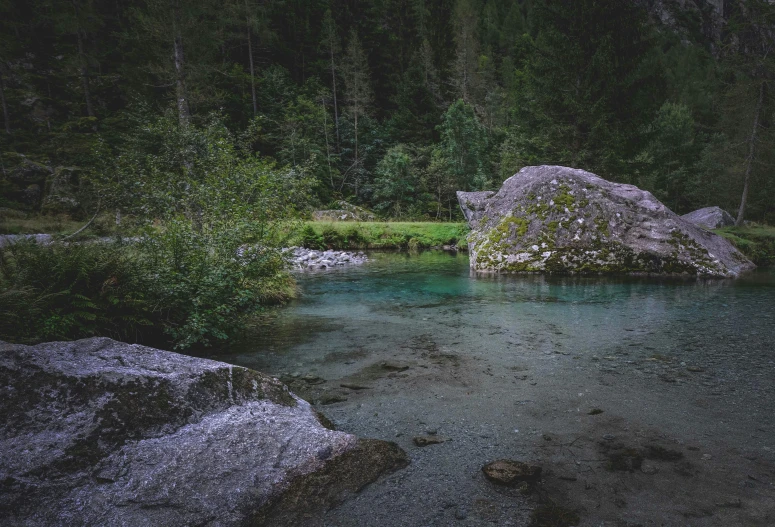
(497, 364)
(398, 295)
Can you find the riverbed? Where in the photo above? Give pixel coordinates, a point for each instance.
(646, 401)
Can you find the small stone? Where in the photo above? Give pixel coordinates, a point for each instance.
(461, 513)
(595, 411)
(649, 468)
(695, 369)
(609, 437)
(730, 504)
(332, 398)
(509, 472)
(393, 366)
(422, 441)
(352, 386)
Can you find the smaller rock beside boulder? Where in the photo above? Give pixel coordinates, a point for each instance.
(710, 218)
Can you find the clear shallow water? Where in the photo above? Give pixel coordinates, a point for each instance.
(498, 364)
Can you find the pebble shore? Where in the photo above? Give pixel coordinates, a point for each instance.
(310, 259)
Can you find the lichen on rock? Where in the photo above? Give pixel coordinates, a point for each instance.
(553, 219)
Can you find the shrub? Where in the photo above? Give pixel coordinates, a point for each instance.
(310, 238)
(178, 286)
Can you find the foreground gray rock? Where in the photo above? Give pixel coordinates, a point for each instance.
(710, 218)
(97, 432)
(562, 220)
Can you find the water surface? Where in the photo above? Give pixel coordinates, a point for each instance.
(512, 366)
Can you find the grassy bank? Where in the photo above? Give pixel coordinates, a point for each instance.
(757, 242)
(22, 224)
(380, 235)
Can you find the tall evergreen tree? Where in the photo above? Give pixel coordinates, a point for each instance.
(358, 96)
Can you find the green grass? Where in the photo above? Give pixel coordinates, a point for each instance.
(39, 225)
(16, 222)
(757, 242)
(380, 235)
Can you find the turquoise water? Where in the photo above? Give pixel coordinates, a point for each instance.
(496, 364)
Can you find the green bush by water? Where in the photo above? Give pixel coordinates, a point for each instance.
(178, 287)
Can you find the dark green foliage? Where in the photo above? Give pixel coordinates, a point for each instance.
(310, 239)
(61, 292)
(178, 287)
(472, 90)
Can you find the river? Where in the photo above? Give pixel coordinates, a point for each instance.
(646, 401)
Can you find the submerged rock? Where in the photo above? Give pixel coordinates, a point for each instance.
(422, 441)
(710, 218)
(510, 472)
(561, 220)
(97, 432)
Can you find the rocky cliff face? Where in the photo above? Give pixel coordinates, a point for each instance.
(562, 220)
(97, 432)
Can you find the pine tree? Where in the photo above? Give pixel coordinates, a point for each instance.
(358, 96)
(331, 46)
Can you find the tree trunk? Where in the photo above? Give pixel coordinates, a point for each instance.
(6, 116)
(84, 74)
(751, 155)
(252, 74)
(333, 90)
(184, 114)
(252, 66)
(328, 148)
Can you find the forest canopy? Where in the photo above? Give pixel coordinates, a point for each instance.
(390, 104)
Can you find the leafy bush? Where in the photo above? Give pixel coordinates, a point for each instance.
(205, 281)
(178, 286)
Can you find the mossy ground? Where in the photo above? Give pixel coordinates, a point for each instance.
(757, 242)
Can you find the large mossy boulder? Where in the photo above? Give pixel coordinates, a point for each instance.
(97, 432)
(710, 218)
(554, 219)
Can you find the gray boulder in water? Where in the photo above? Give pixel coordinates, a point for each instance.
(555, 219)
(97, 432)
(710, 218)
